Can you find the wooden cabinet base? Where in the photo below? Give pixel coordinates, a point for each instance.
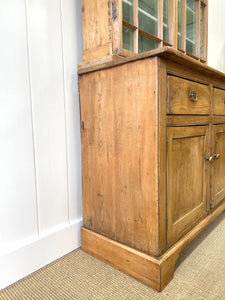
(153, 159)
(154, 272)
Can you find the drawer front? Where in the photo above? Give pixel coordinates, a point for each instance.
(219, 102)
(187, 97)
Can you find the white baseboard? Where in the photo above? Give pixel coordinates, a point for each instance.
(35, 254)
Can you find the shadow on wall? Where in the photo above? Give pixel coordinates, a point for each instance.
(223, 58)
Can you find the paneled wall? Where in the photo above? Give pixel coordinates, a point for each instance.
(216, 34)
(40, 156)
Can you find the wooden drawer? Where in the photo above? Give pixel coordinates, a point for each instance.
(219, 102)
(180, 100)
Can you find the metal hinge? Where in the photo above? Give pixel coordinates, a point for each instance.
(82, 125)
(211, 203)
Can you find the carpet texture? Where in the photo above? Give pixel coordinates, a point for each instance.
(199, 274)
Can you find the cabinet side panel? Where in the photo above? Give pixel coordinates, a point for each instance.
(135, 109)
(97, 29)
(98, 152)
(119, 144)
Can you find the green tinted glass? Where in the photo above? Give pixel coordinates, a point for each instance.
(145, 44)
(128, 37)
(201, 32)
(128, 11)
(148, 16)
(191, 26)
(179, 33)
(166, 20)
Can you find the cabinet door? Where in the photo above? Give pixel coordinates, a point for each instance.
(218, 172)
(186, 178)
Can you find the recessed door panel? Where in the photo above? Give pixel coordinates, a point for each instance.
(186, 177)
(218, 174)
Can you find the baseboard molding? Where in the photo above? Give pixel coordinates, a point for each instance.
(35, 254)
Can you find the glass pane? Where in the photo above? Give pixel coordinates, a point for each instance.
(128, 11)
(201, 32)
(191, 26)
(145, 44)
(166, 20)
(128, 37)
(179, 33)
(148, 16)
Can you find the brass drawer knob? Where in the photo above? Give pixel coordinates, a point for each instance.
(193, 96)
(209, 158)
(217, 156)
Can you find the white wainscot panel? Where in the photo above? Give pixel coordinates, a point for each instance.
(45, 49)
(72, 54)
(36, 253)
(18, 211)
(216, 35)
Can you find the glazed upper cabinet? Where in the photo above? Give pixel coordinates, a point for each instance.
(128, 27)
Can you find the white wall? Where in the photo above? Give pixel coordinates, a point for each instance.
(216, 34)
(40, 156)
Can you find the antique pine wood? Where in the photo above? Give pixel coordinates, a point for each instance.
(180, 102)
(218, 186)
(151, 178)
(219, 102)
(154, 272)
(185, 169)
(121, 142)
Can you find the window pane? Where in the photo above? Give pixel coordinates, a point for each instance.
(191, 27)
(166, 20)
(128, 37)
(128, 11)
(179, 33)
(145, 44)
(148, 16)
(201, 32)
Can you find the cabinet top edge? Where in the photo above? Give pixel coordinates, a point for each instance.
(165, 52)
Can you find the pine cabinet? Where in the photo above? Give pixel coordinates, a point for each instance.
(153, 159)
(153, 133)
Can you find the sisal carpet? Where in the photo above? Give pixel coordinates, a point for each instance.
(199, 274)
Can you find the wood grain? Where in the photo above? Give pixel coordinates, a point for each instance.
(218, 177)
(147, 185)
(172, 55)
(162, 82)
(97, 29)
(179, 101)
(154, 272)
(186, 177)
(128, 260)
(119, 146)
(219, 102)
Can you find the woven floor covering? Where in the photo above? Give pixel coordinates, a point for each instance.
(199, 274)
